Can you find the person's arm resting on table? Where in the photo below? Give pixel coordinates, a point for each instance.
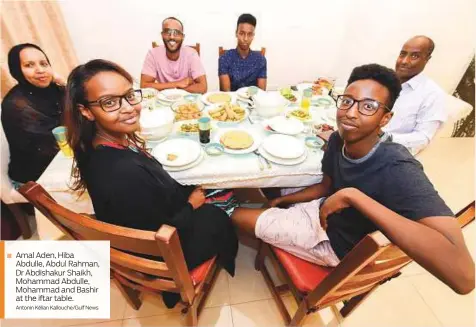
(199, 85)
(149, 81)
(433, 240)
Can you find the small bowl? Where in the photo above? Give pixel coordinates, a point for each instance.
(314, 142)
(214, 149)
(191, 97)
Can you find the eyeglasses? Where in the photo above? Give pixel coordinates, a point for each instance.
(367, 107)
(172, 32)
(113, 103)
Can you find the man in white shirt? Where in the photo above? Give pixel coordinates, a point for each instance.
(419, 110)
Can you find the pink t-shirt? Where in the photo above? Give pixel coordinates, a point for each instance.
(157, 65)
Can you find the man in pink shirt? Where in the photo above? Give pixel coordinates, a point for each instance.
(173, 66)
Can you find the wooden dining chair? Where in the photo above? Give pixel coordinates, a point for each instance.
(131, 271)
(372, 262)
(221, 51)
(196, 46)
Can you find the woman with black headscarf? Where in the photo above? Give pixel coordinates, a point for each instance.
(30, 111)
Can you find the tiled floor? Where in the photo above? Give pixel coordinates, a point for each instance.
(414, 299)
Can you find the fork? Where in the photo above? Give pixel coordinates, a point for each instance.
(261, 166)
(268, 164)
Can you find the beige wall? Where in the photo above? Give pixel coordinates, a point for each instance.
(304, 39)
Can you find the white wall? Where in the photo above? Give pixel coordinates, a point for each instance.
(304, 39)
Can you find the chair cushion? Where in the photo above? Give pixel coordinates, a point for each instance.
(199, 273)
(304, 274)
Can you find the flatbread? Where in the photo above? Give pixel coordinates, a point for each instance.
(219, 98)
(236, 140)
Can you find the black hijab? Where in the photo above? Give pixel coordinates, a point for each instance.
(50, 96)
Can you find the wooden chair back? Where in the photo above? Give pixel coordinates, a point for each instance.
(221, 51)
(196, 46)
(372, 262)
(127, 246)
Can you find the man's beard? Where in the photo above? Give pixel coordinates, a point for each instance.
(179, 46)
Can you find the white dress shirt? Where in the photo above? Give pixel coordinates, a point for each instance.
(417, 114)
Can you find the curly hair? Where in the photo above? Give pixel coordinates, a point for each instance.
(382, 75)
(246, 19)
(81, 132)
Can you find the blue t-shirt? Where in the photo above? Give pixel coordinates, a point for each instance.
(390, 176)
(242, 72)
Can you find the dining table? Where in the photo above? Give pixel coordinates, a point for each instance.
(212, 172)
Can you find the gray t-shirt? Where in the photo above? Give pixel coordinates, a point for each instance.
(391, 176)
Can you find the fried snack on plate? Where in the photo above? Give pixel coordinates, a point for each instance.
(171, 157)
(187, 111)
(228, 112)
(189, 128)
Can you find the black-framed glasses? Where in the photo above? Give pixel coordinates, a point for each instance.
(172, 32)
(367, 107)
(113, 103)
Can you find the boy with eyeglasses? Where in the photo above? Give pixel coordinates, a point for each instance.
(173, 66)
(368, 185)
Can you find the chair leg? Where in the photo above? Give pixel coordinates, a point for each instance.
(354, 302)
(22, 219)
(192, 315)
(300, 314)
(209, 286)
(132, 296)
(259, 260)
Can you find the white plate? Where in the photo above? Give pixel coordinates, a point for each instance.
(206, 95)
(284, 146)
(171, 95)
(215, 106)
(284, 125)
(280, 161)
(189, 166)
(256, 140)
(323, 101)
(185, 149)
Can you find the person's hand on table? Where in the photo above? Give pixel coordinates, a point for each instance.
(187, 81)
(335, 203)
(197, 197)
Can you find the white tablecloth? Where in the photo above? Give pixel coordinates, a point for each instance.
(220, 171)
(224, 171)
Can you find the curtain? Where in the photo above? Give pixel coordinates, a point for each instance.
(41, 23)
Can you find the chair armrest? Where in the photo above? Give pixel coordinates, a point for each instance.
(165, 233)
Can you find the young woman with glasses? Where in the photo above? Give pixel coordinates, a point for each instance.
(128, 187)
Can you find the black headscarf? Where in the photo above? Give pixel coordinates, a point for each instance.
(14, 64)
(49, 95)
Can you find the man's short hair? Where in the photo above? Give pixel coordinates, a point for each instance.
(246, 19)
(173, 18)
(382, 75)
